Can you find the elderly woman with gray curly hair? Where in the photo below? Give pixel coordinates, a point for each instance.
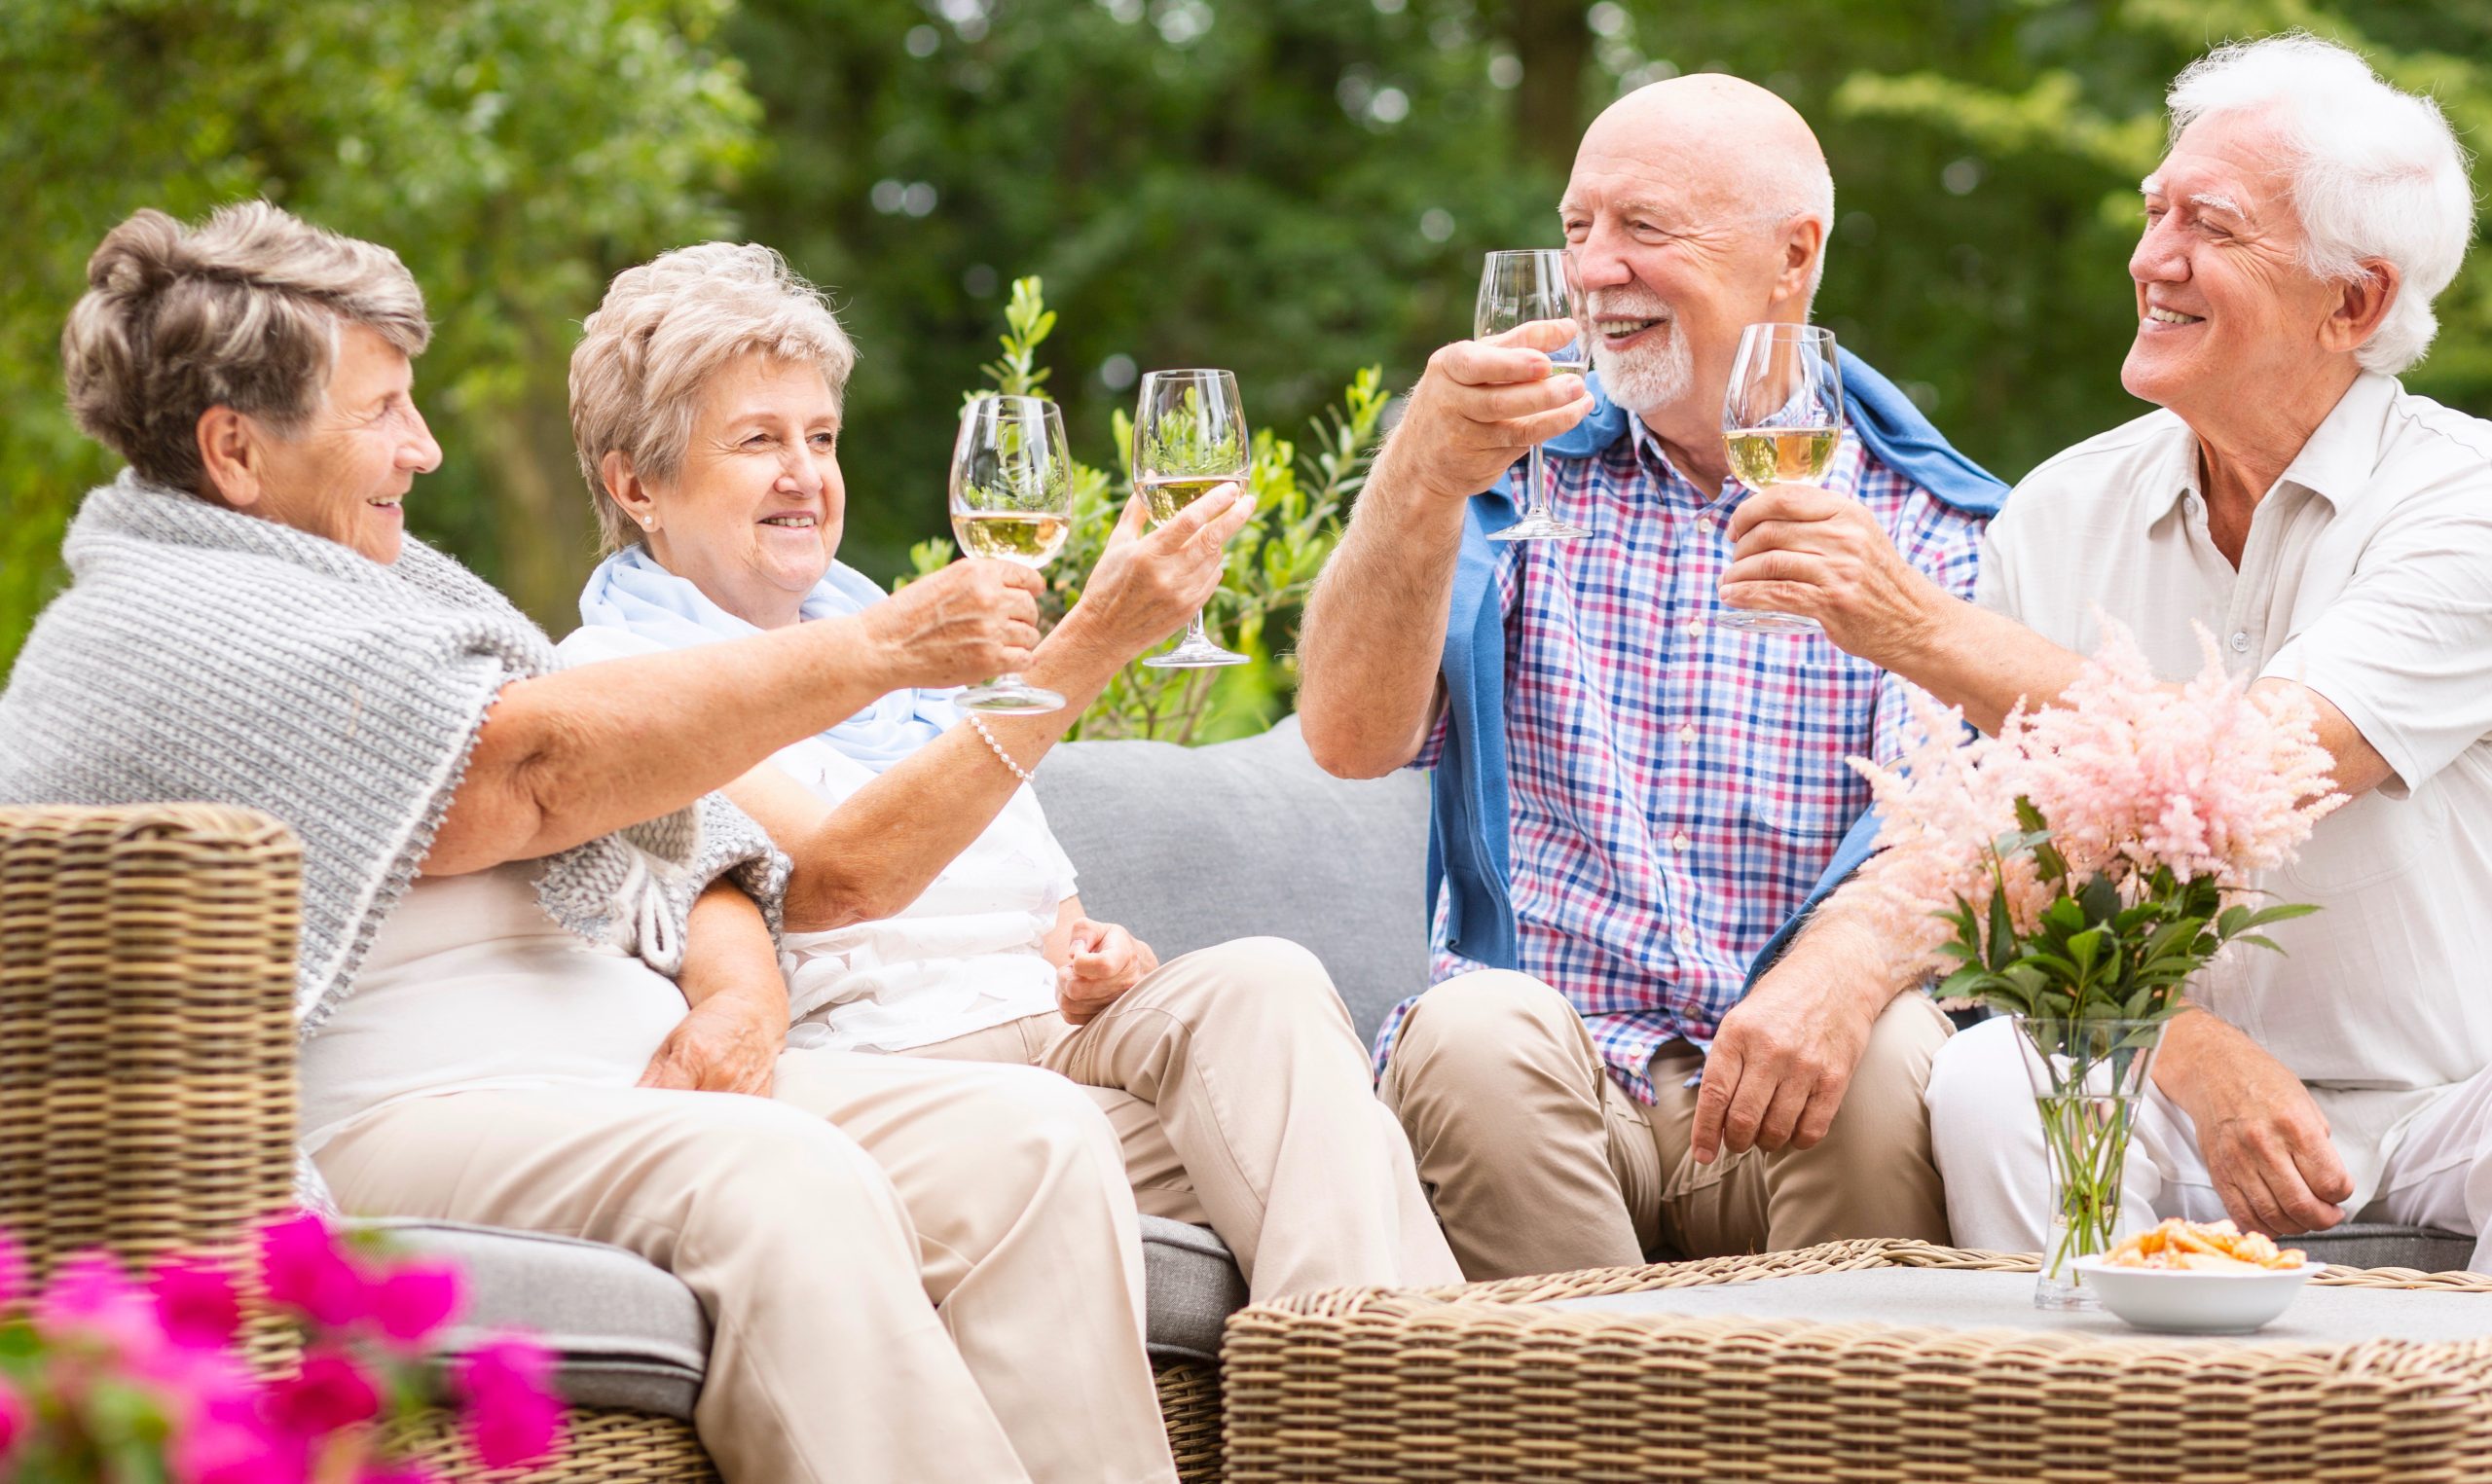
(524, 899)
(931, 912)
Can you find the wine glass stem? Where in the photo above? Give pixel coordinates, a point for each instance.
(1537, 506)
(1195, 634)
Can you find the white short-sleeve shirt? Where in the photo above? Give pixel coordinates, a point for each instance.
(2367, 577)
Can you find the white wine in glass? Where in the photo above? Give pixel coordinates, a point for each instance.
(1783, 421)
(1011, 500)
(1189, 439)
(1517, 288)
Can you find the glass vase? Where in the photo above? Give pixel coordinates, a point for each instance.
(2089, 1081)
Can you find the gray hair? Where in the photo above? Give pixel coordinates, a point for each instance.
(2374, 172)
(665, 329)
(242, 312)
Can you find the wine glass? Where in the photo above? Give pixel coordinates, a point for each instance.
(1784, 421)
(1189, 439)
(1517, 288)
(1012, 499)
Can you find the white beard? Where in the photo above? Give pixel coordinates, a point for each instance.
(1648, 376)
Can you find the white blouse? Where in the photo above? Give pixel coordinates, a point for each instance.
(470, 985)
(967, 955)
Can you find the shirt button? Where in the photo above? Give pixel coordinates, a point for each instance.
(2241, 641)
(1678, 842)
(1687, 734)
(1684, 935)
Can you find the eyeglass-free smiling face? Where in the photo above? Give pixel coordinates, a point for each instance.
(754, 516)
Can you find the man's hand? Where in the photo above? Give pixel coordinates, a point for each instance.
(2266, 1142)
(729, 1043)
(969, 622)
(1800, 549)
(1147, 587)
(1779, 1065)
(1105, 961)
(1480, 404)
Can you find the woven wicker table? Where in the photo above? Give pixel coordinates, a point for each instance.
(1575, 1378)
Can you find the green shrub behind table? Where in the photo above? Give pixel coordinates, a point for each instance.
(1300, 500)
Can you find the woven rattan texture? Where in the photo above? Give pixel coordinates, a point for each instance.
(1189, 1405)
(1472, 1384)
(601, 1448)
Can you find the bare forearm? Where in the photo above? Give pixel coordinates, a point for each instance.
(872, 854)
(1982, 661)
(565, 757)
(1374, 632)
(727, 950)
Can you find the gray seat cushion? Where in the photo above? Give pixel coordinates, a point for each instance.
(629, 1334)
(2388, 1247)
(1189, 846)
(632, 1337)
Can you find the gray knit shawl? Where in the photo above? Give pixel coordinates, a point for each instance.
(204, 655)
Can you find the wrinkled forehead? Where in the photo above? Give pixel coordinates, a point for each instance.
(2234, 163)
(1654, 177)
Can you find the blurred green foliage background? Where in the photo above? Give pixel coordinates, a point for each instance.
(1290, 188)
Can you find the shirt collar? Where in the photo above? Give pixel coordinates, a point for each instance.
(2336, 463)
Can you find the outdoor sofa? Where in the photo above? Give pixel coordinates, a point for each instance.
(147, 1095)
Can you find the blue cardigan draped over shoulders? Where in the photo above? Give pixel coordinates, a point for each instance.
(1467, 827)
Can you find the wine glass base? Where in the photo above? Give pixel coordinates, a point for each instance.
(1539, 528)
(1011, 698)
(1752, 621)
(1194, 653)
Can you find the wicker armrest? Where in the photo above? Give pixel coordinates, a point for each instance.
(147, 1044)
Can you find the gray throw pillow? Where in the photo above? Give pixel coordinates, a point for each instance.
(1188, 846)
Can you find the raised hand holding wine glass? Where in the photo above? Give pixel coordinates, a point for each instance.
(1189, 439)
(1783, 418)
(1012, 500)
(1517, 288)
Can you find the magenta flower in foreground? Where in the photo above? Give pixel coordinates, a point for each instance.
(90, 1297)
(302, 1267)
(414, 1302)
(16, 1417)
(197, 1302)
(513, 1416)
(330, 1394)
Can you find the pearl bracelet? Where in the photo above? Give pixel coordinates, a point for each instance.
(997, 747)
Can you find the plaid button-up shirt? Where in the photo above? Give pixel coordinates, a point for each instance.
(1675, 788)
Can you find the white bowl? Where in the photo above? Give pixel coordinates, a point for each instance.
(2190, 1301)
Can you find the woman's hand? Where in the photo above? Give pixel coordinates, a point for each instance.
(1147, 587)
(1103, 960)
(969, 622)
(730, 1039)
(729, 1043)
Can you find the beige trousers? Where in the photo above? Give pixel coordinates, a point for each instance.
(1539, 1161)
(914, 1271)
(1243, 1098)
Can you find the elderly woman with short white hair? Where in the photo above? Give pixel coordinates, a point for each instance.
(2334, 531)
(522, 898)
(931, 912)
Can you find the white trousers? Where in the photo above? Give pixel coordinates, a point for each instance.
(1988, 1139)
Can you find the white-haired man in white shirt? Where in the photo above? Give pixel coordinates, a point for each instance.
(2334, 531)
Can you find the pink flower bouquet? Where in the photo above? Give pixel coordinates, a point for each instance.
(2076, 869)
(107, 1379)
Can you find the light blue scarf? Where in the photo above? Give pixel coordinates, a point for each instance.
(631, 592)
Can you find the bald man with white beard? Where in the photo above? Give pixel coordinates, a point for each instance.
(1631, 1048)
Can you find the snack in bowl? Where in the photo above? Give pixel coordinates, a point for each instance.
(2196, 1277)
(2203, 1247)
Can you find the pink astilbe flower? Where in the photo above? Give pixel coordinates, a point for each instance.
(513, 1415)
(92, 1299)
(2207, 778)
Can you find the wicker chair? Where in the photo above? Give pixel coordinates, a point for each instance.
(147, 1087)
